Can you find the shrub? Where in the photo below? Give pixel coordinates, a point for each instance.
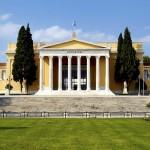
(148, 105)
(9, 86)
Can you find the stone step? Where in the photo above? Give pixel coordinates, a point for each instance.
(74, 104)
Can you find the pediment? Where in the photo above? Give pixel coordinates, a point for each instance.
(73, 44)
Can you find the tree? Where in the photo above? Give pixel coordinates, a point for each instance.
(128, 67)
(29, 62)
(146, 59)
(24, 68)
(118, 60)
(18, 65)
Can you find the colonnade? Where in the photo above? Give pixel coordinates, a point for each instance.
(88, 58)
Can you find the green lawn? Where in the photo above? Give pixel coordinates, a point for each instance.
(74, 134)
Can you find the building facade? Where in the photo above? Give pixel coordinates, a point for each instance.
(72, 67)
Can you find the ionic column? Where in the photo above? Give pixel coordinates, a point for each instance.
(50, 72)
(88, 73)
(97, 72)
(69, 73)
(41, 73)
(107, 74)
(60, 73)
(79, 72)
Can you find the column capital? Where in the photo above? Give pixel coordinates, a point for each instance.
(41, 57)
(69, 56)
(88, 57)
(107, 56)
(50, 56)
(60, 57)
(98, 57)
(79, 57)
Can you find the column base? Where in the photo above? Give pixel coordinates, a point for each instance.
(109, 92)
(88, 90)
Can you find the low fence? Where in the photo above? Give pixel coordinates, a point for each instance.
(74, 114)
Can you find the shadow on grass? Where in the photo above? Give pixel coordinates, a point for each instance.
(147, 119)
(13, 128)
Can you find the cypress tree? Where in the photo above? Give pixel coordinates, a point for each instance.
(119, 59)
(127, 64)
(24, 67)
(18, 70)
(29, 62)
(130, 66)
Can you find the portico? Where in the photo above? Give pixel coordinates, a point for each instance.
(74, 65)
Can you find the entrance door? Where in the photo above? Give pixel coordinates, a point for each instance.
(83, 77)
(74, 80)
(64, 77)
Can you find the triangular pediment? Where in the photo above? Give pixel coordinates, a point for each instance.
(73, 44)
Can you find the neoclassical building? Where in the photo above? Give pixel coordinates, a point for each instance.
(72, 67)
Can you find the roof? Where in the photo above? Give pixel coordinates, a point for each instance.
(2, 65)
(73, 43)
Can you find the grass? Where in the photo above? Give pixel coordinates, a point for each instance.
(74, 134)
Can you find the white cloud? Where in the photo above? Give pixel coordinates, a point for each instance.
(4, 17)
(8, 30)
(145, 39)
(98, 36)
(56, 33)
(51, 34)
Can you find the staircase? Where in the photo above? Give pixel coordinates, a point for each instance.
(74, 104)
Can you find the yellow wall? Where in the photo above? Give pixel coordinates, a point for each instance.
(46, 72)
(35, 85)
(2, 85)
(113, 85)
(16, 85)
(102, 72)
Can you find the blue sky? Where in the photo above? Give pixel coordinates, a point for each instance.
(97, 20)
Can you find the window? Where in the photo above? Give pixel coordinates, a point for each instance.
(146, 74)
(3, 75)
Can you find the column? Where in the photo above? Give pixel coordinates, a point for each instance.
(60, 73)
(69, 72)
(88, 73)
(97, 72)
(50, 72)
(107, 74)
(79, 72)
(41, 73)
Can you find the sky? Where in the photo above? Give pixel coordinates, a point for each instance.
(97, 20)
